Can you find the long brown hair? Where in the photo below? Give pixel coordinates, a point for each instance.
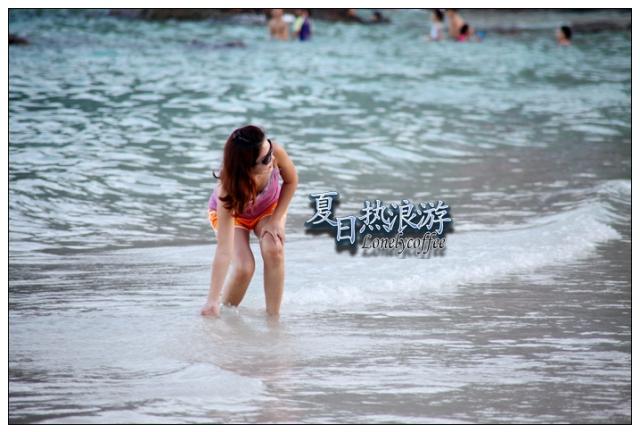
(240, 153)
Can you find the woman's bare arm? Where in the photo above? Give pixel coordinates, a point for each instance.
(289, 180)
(222, 258)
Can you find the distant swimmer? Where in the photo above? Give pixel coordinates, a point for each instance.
(455, 22)
(437, 23)
(302, 25)
(278, 28)
(563, 35)
(464, 35)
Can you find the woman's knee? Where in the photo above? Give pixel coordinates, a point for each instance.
(271, 249)
(245, 268)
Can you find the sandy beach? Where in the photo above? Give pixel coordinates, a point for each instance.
(115, 125)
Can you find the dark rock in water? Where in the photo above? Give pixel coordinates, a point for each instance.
(351, 15)
(220, 45)
(14, 39)
(126, 13)
(231, 44)
(601, 25)
(182, 14)
(336, 15)
(378, 18)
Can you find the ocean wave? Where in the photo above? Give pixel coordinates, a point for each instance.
(342, 281)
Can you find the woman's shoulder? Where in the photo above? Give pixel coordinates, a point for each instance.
(278, 151)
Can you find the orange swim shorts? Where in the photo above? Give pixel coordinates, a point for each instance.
(244, 223)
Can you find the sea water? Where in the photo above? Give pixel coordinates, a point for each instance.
(115, 125)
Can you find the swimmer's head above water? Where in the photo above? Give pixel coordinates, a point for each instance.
(563, 35)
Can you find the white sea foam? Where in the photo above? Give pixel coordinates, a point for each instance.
(320, 278)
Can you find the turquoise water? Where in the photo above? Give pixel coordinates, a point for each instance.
(115, 125)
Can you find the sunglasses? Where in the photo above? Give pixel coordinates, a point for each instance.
(237, 136)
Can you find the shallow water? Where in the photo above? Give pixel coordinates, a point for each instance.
(115, 124)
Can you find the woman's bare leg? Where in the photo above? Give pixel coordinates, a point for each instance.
(243, 267)
(273, 256)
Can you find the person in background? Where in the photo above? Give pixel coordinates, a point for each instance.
(463, 36)
(455, 23)
(378, 18)
(302, 25)
(437, 22)
(278, 28)
(352, 14)
(563, 35)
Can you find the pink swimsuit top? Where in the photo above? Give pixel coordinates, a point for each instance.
(268, 195)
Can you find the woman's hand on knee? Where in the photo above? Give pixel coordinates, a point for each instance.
(274, 228)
